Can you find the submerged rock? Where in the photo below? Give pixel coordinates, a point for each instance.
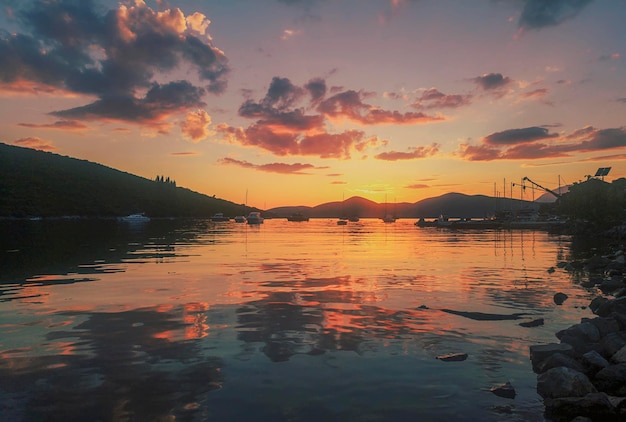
(505, 390)
(453, 357)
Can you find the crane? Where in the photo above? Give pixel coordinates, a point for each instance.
(557, 195)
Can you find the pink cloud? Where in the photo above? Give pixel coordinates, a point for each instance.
(35, 143)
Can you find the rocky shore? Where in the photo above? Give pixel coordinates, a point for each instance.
(583, 376)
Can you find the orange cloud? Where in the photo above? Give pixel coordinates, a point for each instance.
(59, 124)
(35, 143)
(196, 125)
(282, 168)
(413, 153)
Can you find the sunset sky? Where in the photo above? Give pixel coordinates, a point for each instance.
(301, 102)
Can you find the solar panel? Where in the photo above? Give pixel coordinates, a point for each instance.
(602, 171)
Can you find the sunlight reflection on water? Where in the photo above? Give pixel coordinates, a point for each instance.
(283, 321)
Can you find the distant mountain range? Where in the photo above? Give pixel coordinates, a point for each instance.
(454, 205)
(43, 184)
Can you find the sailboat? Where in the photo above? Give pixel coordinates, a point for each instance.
(241, 218)
(388, 218)
(342, 220)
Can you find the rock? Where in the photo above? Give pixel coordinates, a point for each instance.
(604, 325)
(611, 343)
(619, 356)
(594, 361)
(550, 270)
(596, 303)
(560, 359)
(453, 357)
(586, 331)
(564, 382)
(505, 390)
(612, 379)
(539, 353)
(534, 323)
(559, 298)
(596, 406)
(611, 284)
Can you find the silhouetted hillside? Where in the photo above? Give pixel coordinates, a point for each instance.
(37, 183)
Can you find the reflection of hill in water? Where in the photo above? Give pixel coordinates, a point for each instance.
(75, 250)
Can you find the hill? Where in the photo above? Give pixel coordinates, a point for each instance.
(456, 205)
(38, 183)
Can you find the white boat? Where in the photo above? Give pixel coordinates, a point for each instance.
(135, 218)
(240, 219)
(255, 218)
(219, 216)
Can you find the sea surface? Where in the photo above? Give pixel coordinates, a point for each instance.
(190, 320)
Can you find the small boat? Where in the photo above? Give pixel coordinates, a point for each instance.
(342, 222)
(255, 218)
(219, 216)
(135, 218)
(353, 218)
(240, 219)
(298, 217)
(389, 218)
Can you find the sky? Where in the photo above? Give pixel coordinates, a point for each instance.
(302, 102)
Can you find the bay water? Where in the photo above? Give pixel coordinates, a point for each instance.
(191, 320)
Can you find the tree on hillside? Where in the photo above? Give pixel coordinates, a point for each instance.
(595, 202)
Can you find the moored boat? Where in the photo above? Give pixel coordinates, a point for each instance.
(219, 216)
(297, 217)
(135, 218)
(255, 218)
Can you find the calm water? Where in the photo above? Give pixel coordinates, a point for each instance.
(199, 321)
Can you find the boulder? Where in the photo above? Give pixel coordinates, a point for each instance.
(619, 356)
(540, 352)
(564, 382)
(596, 406)
(594, 361)
(612, 379)
(453, 357)
(611, 343)
(559, 359)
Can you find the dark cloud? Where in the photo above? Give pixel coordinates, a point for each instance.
(491, 81)
(622, 100)
(538, 14)
(519, 136)
(349, 105)
(282, 168)
(434, 99)
(117, 55)
(159, 102)
(413, 154)
(529, 143)
(316, 88)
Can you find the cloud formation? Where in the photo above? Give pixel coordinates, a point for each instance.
(413, 154)
(492, 81)
(282, 168)
(538, 143)
(434, 99)
(538, 14)
(35, 143)
(59, 124)
(120, 56)
(295, 120)
(195, 126)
